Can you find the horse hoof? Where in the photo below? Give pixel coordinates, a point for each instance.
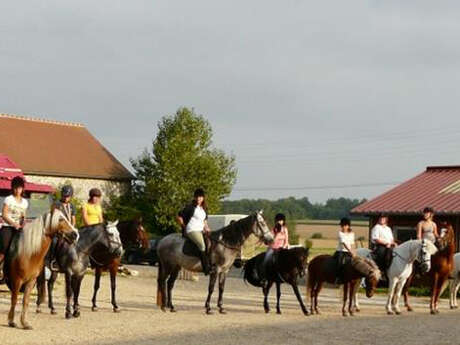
(344, 314)
(389, 312)
(318, 312)
(27, 327)
(53, 312)
(163, 309)
(306, 313)
(351, 313)
(357, 310)
(409, 309)
(12, 324)
(222, 311)
(267, 311)
(68, 316)
(209, 312)
(173, 310)
(278, 312)
(116, 310)
(76, 313)
(38, 311)
(398, 312)
(94, 309)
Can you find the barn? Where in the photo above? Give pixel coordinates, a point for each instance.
(437, 187)
(54, 153)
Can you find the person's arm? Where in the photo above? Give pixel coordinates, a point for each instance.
(419, 231)
(85, 215)
(206, 227)
(74, 221)
(7, 219)
(435, 230)
(286, 238)
(101, 216)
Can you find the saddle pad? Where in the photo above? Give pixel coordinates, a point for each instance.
(190, 249)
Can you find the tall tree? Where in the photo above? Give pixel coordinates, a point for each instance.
(182, 158)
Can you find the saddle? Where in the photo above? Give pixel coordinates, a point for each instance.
(383, 257)
(190, 248)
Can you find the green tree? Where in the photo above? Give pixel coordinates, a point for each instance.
(182, 158)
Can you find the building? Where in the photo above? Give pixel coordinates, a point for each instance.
(437, 187)
(55, 153)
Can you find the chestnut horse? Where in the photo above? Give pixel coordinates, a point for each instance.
(442, 264)
(25, 258)
(323, 269)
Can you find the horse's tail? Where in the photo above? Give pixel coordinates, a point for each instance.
(250, 274)
(159, 289)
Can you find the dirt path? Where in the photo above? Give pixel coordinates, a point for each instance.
(141, 322)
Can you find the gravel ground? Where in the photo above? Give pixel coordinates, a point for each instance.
(141, 322)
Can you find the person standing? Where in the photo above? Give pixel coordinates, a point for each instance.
(92, 210)
(193, 222)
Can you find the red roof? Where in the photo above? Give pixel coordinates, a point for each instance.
(437, 187)
(9, 170)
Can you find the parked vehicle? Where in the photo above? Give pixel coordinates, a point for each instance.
(139, 256)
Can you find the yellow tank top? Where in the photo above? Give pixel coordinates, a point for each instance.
(94, 213)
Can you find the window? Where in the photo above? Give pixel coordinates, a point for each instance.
(405, 233)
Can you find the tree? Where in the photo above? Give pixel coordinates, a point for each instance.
(182, 158)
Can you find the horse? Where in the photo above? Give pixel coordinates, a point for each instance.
(132, 233)
(401, 268)
(73, 260)
(454, 283)
(175, 252)
(323, 268)
(288, 265)
(442, 264)
(26, 257)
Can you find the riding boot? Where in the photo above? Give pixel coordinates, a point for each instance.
(205, 263)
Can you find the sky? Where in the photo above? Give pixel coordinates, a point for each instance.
(317, 99)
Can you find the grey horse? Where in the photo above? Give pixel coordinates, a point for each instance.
(73, 261)
(225, 245)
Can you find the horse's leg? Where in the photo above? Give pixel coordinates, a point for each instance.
(50, 284)
(319, 286)
(352, 292)
(406, 293)
(451, 293)
(212, 283)
(278, 297)
(391, 290)
(97, 284)
(345, 295)
(266, 290)
(25, 303)
(76, 285)
(356, 297)
(220, 301)
(434, 287)
(456, 285)
(113, 286)
(438, 293)
(171, 281)
(68, 295)
(41, 291)
(299, 297)
(16, 285)
(397, 296)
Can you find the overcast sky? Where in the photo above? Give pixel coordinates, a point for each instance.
(304, 93)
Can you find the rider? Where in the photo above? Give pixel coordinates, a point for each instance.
(280, 241)
(193, 221)
(426, 228)
(345, 248)
(13, 214)
(383, 240)
(92, 210)
(68, 209)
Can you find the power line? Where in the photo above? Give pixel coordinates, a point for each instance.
(323, 187)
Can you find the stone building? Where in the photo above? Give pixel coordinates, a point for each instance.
(55, 153)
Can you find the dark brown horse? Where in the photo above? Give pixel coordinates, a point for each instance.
(25, 258)
(442, 264)
(289, 264)
(323, 269)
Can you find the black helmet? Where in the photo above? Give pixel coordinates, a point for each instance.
(280, 216)
(345, 221)
(17, 182)
(66, 191)
(94, 192)
(198, 192)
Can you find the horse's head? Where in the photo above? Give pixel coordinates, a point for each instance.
(371, 280)
(58, 224)
(141, 234)
(261, 229)
(446, 236)
(426, 250)
(112, 238)
(302, 260)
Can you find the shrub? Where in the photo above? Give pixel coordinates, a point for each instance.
(308, 243)
(317, 235)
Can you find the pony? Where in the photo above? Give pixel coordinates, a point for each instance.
(401, 268)
(454, 283)
(175, 252)
(73, 260)
(287, 267)
(133, 234)
(323, 269)
(442, 264)
(26, 256)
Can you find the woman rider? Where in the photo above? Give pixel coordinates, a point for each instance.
(193, 221)
(280, 241)
(13, 214)
(345, 247)
(382, 239)
(92, 210)
(426, 228)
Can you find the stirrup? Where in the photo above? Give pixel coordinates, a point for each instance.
(54, 266)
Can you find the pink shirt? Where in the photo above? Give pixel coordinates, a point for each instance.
(280, 239)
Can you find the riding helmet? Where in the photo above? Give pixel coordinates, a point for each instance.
(199, 192)
(17, 182)
(345, 221)
(280, 216)
(66, 191)
(95, 192)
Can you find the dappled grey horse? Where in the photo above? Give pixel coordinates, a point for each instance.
(73, 261)
(175, 252)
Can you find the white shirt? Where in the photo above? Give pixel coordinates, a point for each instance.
(347, 238)
(16, 210)
(382, 232)
(196, 223)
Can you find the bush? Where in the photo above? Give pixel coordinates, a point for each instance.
(308, 243)
(293, 237)
(317, 235)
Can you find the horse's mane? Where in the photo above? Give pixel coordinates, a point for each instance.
(366, 267)
(30, 240)
(234, 233)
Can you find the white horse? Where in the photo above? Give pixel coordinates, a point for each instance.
(401, 268)
(454, 283)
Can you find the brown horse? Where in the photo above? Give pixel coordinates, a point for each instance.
(323, 269)
(26, 256)
(442, 264)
